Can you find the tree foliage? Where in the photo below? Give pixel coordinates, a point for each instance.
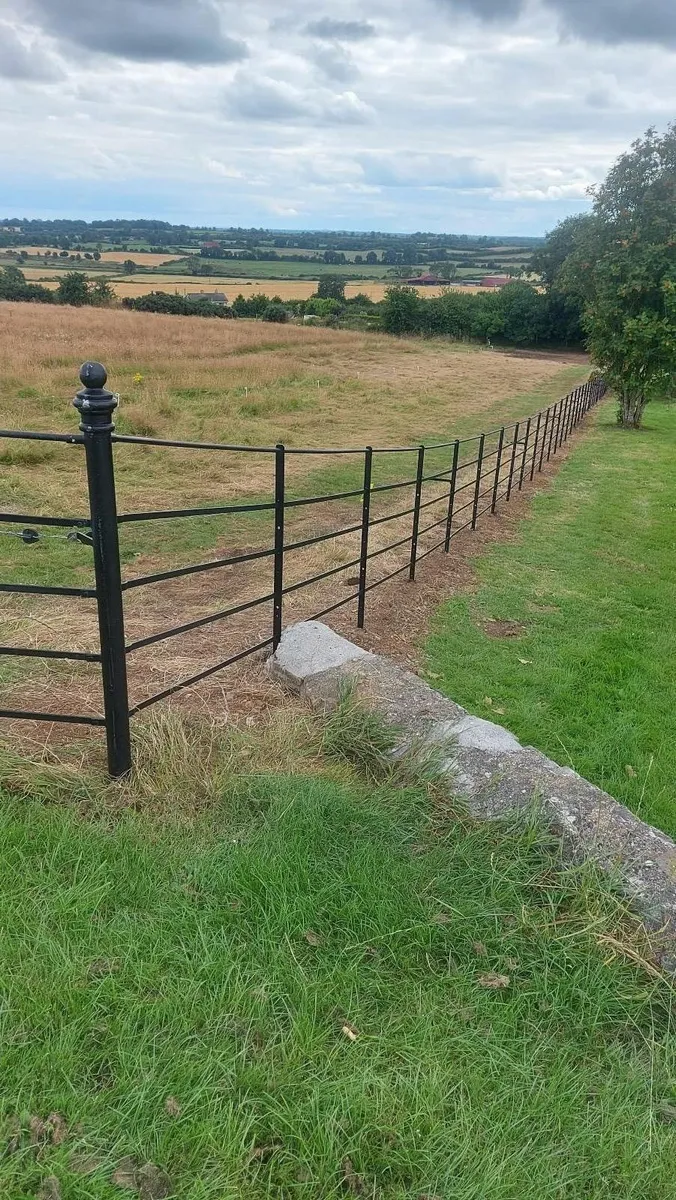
(331, 287)
(73, 289)
(180, 306)
(517, 313)
(623, 264)
(13, 286)
(276, 312)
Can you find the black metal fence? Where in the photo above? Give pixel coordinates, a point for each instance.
(469, 477)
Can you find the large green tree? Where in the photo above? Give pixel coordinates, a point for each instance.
(623, 264)
(73, 289)
(331, 287)
(548, 259)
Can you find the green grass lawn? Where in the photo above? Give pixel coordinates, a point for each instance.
(590, 581)
(315, 987)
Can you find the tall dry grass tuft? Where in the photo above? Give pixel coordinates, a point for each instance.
(184, 764)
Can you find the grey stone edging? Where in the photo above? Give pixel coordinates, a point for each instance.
(494, 773)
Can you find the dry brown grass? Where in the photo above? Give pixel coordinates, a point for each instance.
(242, 382)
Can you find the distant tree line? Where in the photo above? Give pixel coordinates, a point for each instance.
(179, 306)
(391, 248)
(517, 313)
(74, 289)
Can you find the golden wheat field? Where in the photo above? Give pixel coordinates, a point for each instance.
(142, 258)
(244, 383)
(286, 289)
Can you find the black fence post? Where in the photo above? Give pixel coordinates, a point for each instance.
(416, 511)
(572, 422)
(583, 402)
(278, 579)
(551, 433)
(498, 465)
(557, 435)
(451, 494)
(365, 517)
(96, 406)
(515, 443)
(535, 446)
(544, 439)
(577, 416)
(525, 454)
(566, 418)
(477, 486)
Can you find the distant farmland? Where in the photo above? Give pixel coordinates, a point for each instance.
(302, 289)
(183, 270)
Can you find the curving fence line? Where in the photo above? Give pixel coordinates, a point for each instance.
(469, 477)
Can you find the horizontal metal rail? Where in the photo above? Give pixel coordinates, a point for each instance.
(21, 714)
(30, 589)
(192, 679)
(321, 537)
(30, 652)
(27, 435)
(152, 638)
(60, 522)
(196, 568)
(170, 513)
(132, 440)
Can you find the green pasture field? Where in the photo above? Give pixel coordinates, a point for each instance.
(587, 589)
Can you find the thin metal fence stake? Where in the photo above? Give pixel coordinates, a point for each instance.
(416, 512)
(498, 465)
(278, 577)
(544, 439)
(525, 454)
(364, 552)
(515, 443)
(535, 446)
(451, 495)
(557, 435)
(477, 486)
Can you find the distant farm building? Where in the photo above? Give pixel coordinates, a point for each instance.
(495, 281)
(214, 297)
(425, 281)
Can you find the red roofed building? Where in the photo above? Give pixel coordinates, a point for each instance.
(495, 281)
(425, 281)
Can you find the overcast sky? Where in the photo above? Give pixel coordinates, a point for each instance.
(486, 116)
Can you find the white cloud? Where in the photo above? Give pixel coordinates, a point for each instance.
(433, 117)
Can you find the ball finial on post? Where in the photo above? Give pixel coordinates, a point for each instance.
(94, 402)
(93, 375)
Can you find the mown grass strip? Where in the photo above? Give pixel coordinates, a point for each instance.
(586, 593)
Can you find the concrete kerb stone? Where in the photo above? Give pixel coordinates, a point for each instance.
(493, 773)
(308, 649)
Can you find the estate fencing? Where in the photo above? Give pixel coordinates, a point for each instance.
(479, 472)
